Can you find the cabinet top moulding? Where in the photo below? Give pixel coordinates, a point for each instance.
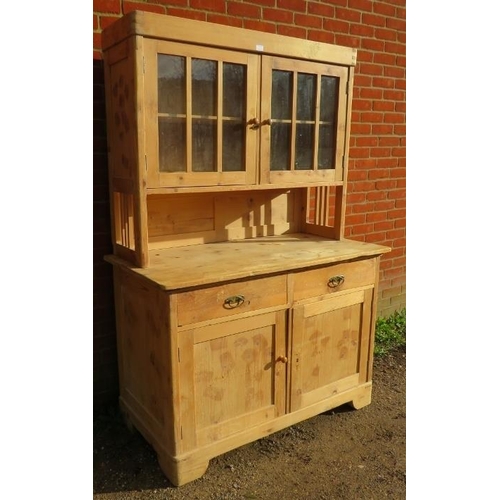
(164, 27)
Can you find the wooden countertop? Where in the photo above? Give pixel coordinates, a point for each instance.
(188, 266)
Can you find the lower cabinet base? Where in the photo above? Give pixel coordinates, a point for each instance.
(187, 467)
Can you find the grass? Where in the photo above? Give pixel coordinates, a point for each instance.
(390, 333)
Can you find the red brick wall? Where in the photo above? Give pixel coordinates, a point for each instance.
(377, 168)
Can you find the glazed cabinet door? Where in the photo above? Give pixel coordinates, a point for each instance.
(330, 346)
(303, 121)
(232, 377)
(199, 107)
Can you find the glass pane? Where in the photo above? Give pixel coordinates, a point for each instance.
(172, 144)
(280, 146)
(171, 84)
(281, 97)
(204, 87)
(233, 134)
(304, 147)
(306, 96)
(234, 97)
(329, 98)
(326, 150)
(204, 146)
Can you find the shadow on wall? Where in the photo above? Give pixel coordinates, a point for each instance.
(105, 353)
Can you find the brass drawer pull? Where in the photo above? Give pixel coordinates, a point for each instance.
(283, 359)
(234, 301)
(336, 281)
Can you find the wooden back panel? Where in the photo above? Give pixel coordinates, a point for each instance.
(191, 219)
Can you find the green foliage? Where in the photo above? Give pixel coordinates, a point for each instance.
(390, 333)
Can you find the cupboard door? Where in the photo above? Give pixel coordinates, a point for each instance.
(303, 121)
(330, 346)
(232, 377)
(199, 102)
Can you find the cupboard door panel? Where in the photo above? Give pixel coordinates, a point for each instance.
(330, 346)
(232, 376)
(304, 119)
(199, 101)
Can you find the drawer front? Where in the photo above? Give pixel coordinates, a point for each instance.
(231, 299)
(330, 279)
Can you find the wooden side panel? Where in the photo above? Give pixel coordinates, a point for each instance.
(121, 113)
(144, 351)
(238, 382)
(329, 350)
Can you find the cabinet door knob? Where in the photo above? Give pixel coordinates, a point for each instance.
(283, 359)
(336, 281)
(254, 123)
(234, 301)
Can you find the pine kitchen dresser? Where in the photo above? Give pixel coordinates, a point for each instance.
(241, 309)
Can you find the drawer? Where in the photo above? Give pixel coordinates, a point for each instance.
(329, 279)
(231, 299)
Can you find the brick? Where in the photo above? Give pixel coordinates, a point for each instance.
(320, 36)
(340, 3)
(320, 9)
(353, 220)
(385, 34)
(396, 95)
(361, 104)
(243, 10)
(375, 237)
(376, 217)
(213, 5)
(384, 9)
(398, 151)
(278, 15)
(130, 6)
(355, 198)
(383, 82)
(178, 3)
(366, 141)
(292, 31)
(252, 24)
(267, 3)
(366, 5)
(361, 30)
(308, 21)
(396, 24)
(394, 118)
(357, 175)
(375, 196)
(336, 26)
(362, 229)
(105, 21)
(372, 44)
(383, 226)
(396, 48)
(387, 59)
(348, 41)
(226, 20)
(187, 14)
(383, 129)
(373, 20)
(394, 72)
(296, 5)
(110, 6)
(364, 56)
(348, 15)
(383, 106)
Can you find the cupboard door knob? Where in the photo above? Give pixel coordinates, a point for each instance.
(254, 123)
(283, 359)
(234, 301)
(267, 121)
(336, 281)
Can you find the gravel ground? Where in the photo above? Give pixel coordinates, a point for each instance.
(343, 454)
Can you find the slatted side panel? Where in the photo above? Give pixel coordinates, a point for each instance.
(124, 220)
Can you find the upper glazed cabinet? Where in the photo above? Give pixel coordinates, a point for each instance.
(219, 106)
